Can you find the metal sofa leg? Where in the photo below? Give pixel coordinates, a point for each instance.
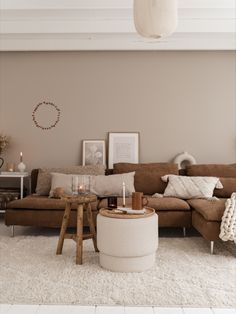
(13, 231)
(212, 247)
(184, 231)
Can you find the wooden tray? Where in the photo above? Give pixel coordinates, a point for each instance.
(112, 214)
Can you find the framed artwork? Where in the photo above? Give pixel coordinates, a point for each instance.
(123, 147)
(94, 152)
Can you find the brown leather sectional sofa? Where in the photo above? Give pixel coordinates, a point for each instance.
(203, 215)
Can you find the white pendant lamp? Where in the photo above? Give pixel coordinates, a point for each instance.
(155, 18)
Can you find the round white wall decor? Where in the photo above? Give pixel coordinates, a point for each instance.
(155, 18)
(184, 159)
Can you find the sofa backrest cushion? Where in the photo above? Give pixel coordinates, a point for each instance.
(226, 174)
(212, 170)
(229, 186)
(44, 175)
(147, 177)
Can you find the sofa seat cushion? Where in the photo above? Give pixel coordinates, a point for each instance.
(167, 203)
(211, 210)
(42, 203)
(163, 203)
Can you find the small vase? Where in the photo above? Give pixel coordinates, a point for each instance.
(1, 162)
(21, 166)
(155, 18)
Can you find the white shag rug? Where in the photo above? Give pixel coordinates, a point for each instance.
(185, 274)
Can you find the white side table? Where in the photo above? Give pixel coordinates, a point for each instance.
(20, 175)
(127, 243)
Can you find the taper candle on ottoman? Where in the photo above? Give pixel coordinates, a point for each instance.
(21, 166)
(123, 194)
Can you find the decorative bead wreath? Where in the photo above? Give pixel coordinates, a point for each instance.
(51, 106)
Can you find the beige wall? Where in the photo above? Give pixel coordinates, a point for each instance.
(176, 100)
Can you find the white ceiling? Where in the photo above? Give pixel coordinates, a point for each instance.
(108, 25)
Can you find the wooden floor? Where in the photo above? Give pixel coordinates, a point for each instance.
(75, 309)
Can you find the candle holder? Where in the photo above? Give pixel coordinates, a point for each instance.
(112, 202)
(80, 185)
(10, 167)
(81, 189)
(21, 167)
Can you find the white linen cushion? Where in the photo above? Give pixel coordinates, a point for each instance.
(186, 187)
(112, 185)
(65, 181)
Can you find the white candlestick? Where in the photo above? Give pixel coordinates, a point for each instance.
(123, 190)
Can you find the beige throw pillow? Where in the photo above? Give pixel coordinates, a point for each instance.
(113, 184)
(44, 176)
(190, 187)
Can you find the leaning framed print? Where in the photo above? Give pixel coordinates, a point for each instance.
(123, 147)
(93, 152)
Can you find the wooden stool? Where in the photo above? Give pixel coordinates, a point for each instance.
(80, 200)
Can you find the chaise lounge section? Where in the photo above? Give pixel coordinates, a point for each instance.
(207, 215)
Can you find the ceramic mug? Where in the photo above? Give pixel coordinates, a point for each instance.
(138, 200)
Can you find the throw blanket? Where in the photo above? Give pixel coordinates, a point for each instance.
(228, 224)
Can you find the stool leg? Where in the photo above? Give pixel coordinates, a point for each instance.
(79, 234)
(91, 226)
(64, 226)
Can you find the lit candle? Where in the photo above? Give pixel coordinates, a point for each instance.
(81, 188)
(21, 157)
(123, 190)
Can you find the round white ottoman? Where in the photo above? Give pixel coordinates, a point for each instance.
(127, 244)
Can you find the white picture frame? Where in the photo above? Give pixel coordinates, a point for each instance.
(93, 152)
(123, 147)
